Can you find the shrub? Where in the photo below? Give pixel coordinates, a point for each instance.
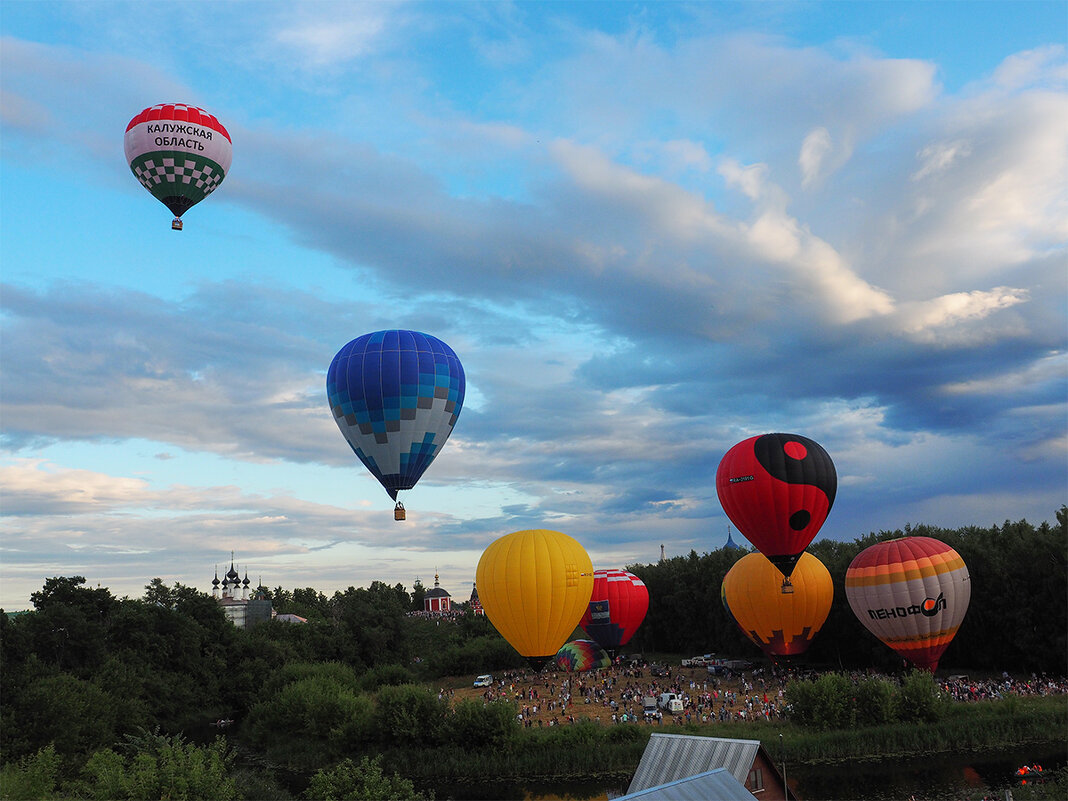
(874, 701)
(365, 781)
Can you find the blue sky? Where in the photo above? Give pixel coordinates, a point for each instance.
(649, 231)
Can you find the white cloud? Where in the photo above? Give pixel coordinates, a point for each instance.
(813, 152)
(939, 156)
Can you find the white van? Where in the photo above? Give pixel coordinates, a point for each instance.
(670, 702)
(485, 680)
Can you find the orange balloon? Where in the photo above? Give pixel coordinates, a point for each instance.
(780, 624)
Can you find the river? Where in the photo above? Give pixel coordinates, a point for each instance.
(945, 777)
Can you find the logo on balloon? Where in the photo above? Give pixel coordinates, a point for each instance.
(929, 608)
(932, 606)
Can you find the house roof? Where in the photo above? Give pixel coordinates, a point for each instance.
(437, 592)
(672, 757)
(713, 785)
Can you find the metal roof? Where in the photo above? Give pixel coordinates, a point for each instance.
(671, 757)
(714, 785)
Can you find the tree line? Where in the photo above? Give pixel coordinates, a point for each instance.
(100, 689)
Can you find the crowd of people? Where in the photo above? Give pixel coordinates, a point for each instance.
(618, 694)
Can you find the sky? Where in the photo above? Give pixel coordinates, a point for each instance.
(648, 230)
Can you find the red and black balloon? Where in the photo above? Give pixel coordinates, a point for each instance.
(777, 490)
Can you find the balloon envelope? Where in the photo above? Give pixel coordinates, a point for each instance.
(777, 490)
(617, 607)
(534, 586)
(780, 624)
(579, 655)
(395, 396)
(179, 153)
(912, 593)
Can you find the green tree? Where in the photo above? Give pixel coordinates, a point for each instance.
(408, 714)
(160, 767)
(919, 698)
(32, 777)
(73, 714)
(365, 781)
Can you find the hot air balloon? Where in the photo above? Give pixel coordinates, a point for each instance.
(179, 153)
(777, 490)
(580, 655)
(911, 593)
(534, 586)
(395, 396)
(779, 624)
(617, 607)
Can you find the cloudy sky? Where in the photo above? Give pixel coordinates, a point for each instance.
(648, 230)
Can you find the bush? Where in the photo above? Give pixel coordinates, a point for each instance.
(168, 768)
(823, 703)
(874, 702)
(919, 698)
(32, 777)
(363, 782)
(479, 725)
(408, 714)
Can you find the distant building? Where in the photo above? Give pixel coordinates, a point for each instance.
(476, 605)
(437, 599)
(232, 594)
(730, 541)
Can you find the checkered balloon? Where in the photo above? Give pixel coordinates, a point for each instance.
(179, 153)
(396, 395)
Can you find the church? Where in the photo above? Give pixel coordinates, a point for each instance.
(437, 600)
(232, 594)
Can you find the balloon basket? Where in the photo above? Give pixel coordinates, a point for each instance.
(787, 587)
(176, 224)
(398, 511)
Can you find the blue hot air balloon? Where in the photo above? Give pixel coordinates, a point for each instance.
(395, 396)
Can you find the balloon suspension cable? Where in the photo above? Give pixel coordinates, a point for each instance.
(787, 587)
(176, 224)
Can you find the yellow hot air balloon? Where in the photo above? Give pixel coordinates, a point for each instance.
(534, 586)
(781, 624)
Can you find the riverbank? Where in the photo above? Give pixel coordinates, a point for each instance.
(570, 754)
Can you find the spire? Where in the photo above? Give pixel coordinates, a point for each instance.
(661, 553)
(730, 541)
(435, 577)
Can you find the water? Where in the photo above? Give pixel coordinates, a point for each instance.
(944, 777)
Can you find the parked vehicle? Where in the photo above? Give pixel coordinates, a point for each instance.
(698, 661)
(727, 667)
(485, 680)
(649, 706)
(670, 702)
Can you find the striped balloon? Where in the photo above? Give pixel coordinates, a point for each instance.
(579, 655)
(617, 607)
(911, 593)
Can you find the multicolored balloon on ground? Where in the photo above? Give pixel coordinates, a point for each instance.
(396, 395)
(579, 655)
(534, 586)
(617, 607)
(179, 153)
(912, 593)
(777, 623)
(777, 490)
